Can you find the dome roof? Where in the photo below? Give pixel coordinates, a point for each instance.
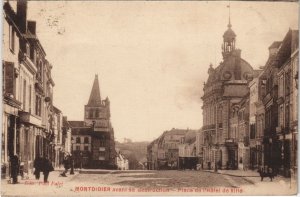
(229, 34)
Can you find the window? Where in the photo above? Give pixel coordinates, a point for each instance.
(97, 113)
(102, 142)
(86, 140)
(91, 113)
(252, 131)
(38, 104)
(78, 140)
(77, 147)
(9, 78)
(40, 72)
(281, 115)
(11, 39)
(30, 98)
(281, 86)
(86, 148)
(287, 117)
(32, 54)
(287, 83)
(24, 95)
(27, 50)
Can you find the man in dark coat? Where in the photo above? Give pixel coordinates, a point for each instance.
(38, 166)
(47, 168)
(15, 165)
(66, 163)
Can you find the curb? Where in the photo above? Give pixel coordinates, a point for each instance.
(230, 174)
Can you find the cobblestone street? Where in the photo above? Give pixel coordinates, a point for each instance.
(101, 182)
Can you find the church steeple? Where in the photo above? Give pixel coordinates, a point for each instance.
(95, 98)
(228, 39)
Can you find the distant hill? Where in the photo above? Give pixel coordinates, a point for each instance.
(135, 152)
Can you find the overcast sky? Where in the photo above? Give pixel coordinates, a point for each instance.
(151, 57)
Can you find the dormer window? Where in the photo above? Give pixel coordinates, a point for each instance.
(27, 50)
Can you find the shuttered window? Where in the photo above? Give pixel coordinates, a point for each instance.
(9, 78)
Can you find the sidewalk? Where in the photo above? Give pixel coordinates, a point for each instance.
(31, 186)
(240, 173)
(30, 180)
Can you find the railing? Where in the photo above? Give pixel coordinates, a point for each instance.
(212, 126)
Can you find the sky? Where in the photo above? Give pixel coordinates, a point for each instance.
(151, 57)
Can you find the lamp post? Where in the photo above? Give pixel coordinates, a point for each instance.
(80, 160)
(71, 158)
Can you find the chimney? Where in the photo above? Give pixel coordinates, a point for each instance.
(31, 25)
(22, 15)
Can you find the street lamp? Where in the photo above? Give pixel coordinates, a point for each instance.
(71, 158)
(80, 160)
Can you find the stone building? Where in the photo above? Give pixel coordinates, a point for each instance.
(269, 80)
(187, 151)
(27, 87)
(58, 144)
(93, 139)
(256, 123)
(286, 132)
(163, 152)
(225, 87)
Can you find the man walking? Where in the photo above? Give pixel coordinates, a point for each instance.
(15, 165)
(38, 167)
(47, 168)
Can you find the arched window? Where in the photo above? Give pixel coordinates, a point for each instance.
(86, 140)
(78, 140)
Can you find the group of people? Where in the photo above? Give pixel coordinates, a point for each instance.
(42, 164)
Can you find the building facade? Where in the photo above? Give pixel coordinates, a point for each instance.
(93, 142)
(163, 152)
(286, 132)
(27, 91)
(226, 86)
(32, 126)
(187, 151)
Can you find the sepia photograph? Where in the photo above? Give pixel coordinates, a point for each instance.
(149, 98)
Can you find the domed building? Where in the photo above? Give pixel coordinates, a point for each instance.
(224, 91)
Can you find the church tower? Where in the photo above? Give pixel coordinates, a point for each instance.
(97, 111)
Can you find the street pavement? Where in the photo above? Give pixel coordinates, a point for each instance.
(188, 182)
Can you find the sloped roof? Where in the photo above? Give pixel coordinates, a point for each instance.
(176, 132)
(275, 44)
(190, 137)
(95, 98)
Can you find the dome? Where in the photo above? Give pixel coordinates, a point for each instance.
(229, 35)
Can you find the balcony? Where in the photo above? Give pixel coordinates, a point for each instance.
(29, 118)
(209, 127)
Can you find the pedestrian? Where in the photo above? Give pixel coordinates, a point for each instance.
(66, 163)
(37, 164)
(15, 165)
(48, 167)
